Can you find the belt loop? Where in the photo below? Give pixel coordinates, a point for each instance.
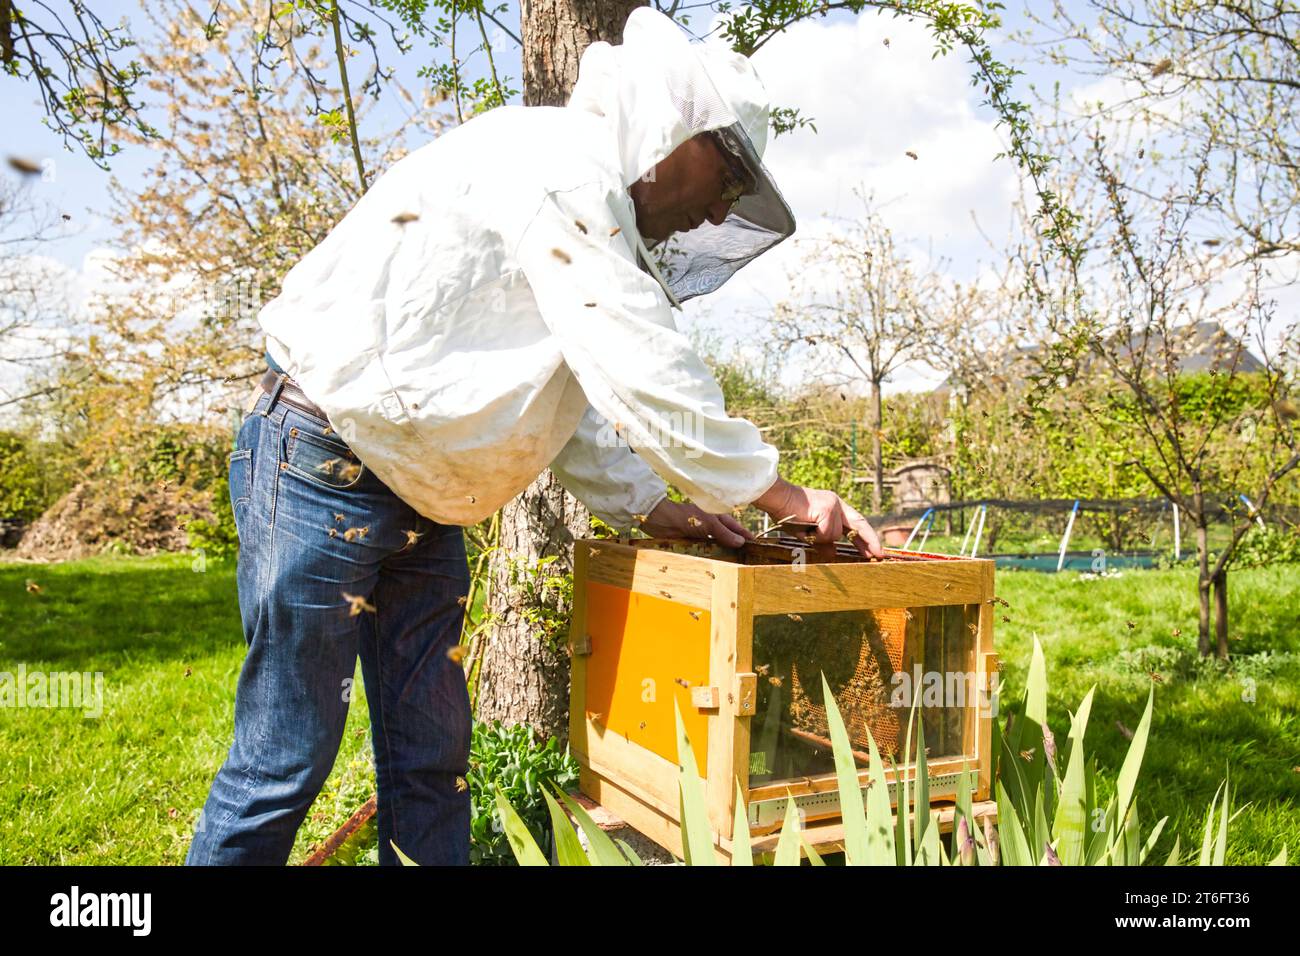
(280, 379)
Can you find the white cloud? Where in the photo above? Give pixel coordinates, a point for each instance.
(872, 104)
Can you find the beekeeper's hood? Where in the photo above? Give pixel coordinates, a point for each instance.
(657, 90)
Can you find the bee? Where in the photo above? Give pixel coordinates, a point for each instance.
(350, 471)
(594, 551)
(462, 599)
(641, 519)
(694, 522)
(642, 725)
(910, 155)
(615, 231)
(327, 466)
(32, 587)
(1128, 734)
(594, 717)
(359, 604)
(562, 256)
(461, 785)
(456, 653)
(334, 532)
(1005, 619)
(666, 594)
(581, 228)
(908, 614)
(1163, 67)
(796, 618)
(803, 587)
(327, 430)
(774, 681)
(471, 499)
(1131, 625)
(886, 41)
(663, 568)
(1178, 632)
(590, 305)
(355, 533)
(402, 218)
(1157, 678)
(339, 517)
(411, 537)
(26, 167)
(694, 614)
(1028, 754)
(682, 681)
(189, 671)
(711, 574)
(947, 585)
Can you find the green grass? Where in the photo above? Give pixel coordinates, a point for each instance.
(126, 787)
(1204, 724)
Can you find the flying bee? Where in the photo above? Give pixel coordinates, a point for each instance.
(461, 785)
(32, 587)
(356, 533)
(641, 519)
(803, 587)
(774, 681)
(411, 537)
(796, 618)
(762, 669)
(909, 154)
(359, 604)
(562, 256)
(402, 218)
(462, 599)
(682, 681)
(350, 471)
(694, 522)
(327, 466)
(615, 230)
(456, 653)
(581, 228)
(471, 499)
(694, 614)
(339, 517)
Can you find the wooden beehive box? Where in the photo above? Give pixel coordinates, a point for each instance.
(740, 639)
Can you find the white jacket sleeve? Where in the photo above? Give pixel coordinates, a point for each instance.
(604, 474)
(616, 332)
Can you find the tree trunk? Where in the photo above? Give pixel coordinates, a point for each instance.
(523, 679)
(555, 32)
(878, 469)
(1203, 584)
(1221, 612)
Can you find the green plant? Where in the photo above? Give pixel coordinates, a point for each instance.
(508, 759)
(1045, 817)
(547, 596)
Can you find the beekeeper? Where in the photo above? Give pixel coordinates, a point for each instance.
(499, 302)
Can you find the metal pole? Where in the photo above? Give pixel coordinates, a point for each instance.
(1065, 539)
(1178, 550)
(1250, 510)
(984, 510)
(966, 537)
(908, 543)
(925, 537)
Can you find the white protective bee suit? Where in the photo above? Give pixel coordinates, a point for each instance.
(518, 320)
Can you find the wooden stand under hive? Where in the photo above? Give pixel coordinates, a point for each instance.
(740, 639)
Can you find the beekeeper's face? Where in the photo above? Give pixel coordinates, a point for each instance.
(694, 182)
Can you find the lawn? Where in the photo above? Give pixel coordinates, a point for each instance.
(126, 787)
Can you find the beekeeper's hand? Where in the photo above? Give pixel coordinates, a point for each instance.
(832, 515)
(671, 519)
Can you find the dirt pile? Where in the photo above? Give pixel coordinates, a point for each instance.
(101, 515)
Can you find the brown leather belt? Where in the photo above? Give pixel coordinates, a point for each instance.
(291, 394)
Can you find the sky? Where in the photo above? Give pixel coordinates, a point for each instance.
(868, 82)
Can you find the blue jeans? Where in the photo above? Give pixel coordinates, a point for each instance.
(332, 564)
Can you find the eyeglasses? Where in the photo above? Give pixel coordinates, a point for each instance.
(735, 178)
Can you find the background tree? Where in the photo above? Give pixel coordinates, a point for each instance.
(860, 312)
